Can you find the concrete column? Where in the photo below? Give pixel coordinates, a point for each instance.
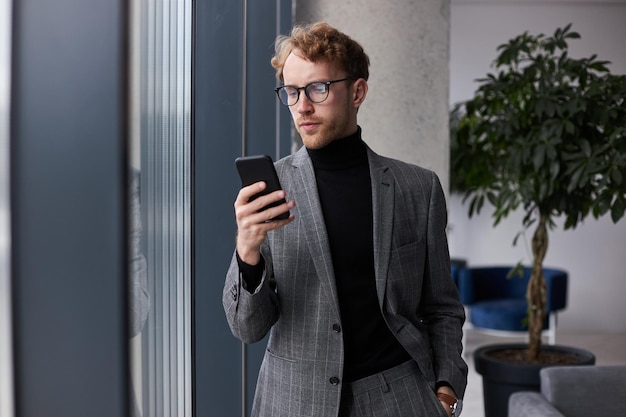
(405, 114)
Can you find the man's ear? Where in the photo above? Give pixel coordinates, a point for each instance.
(359, 91)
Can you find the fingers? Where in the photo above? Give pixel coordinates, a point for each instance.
(253, 222)
(246, 193)
(252, 209)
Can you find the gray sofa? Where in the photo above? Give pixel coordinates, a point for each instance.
(574, 391)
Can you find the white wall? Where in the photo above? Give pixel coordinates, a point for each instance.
(594, 253)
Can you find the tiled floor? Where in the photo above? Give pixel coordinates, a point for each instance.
(609, 349)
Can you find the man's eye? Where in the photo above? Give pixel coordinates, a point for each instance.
(291, 92)
(317, 88)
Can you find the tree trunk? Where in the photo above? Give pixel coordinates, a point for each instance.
(536, 292)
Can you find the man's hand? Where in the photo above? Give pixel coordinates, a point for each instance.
(448, 391)
(252, 224)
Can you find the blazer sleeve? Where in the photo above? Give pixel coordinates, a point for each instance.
(250, 315)
(441, 307)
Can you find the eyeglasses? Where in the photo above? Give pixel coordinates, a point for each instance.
(316, 92)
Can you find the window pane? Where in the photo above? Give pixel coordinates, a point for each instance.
(160, 115)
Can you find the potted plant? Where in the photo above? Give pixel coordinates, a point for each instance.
(546, 134)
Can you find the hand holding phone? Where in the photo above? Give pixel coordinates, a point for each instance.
(257, 168)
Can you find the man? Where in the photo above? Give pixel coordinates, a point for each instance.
(354, 287)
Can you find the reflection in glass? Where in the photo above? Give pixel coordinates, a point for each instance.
(160, 151)
(138, 282)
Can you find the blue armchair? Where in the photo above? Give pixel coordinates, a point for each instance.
(498, 303)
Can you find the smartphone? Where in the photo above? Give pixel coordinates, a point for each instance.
(260, 168)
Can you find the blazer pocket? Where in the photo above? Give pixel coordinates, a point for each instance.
(276, 356)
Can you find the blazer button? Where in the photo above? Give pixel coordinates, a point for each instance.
(334, 380)
(337, 328)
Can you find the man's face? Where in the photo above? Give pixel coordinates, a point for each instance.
(321, 123)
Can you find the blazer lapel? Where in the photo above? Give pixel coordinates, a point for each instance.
(382, 205)
(314, 233)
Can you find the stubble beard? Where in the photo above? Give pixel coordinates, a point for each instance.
(325, 133)
(317, 140)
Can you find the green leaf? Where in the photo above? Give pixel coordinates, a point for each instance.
(575, 178)
(617, 211)
(603, 204)
(539, 156)
(586, 147)
(555, 168)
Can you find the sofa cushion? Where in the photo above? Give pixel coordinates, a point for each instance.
(583, 391)
(502, 314)
(531, 404)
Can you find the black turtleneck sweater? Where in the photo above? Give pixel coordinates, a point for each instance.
(345, 193)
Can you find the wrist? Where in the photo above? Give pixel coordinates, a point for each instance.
(453, 403)
(250, 257)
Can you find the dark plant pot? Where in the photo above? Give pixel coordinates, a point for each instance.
(502, 378)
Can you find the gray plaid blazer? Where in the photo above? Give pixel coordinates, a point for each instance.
(297, 300)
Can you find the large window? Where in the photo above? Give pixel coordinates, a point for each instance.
(161, 208)
(235, 112)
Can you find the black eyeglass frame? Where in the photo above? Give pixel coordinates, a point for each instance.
(327, 84)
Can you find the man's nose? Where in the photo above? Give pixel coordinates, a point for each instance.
(304, 105)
